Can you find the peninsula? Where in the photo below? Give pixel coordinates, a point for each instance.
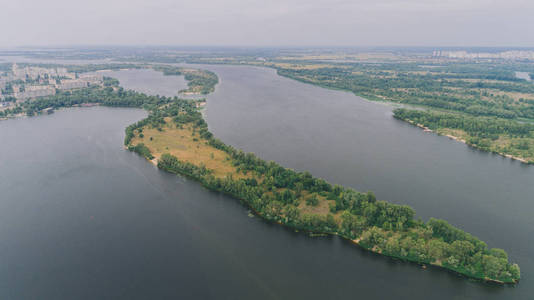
(175, 137)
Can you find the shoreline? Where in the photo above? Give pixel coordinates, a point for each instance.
(353, 241)
(378, 99)
(458, 139)
(291, 224)
(277, 217)
(198, 168)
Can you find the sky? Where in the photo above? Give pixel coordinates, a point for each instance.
(505, 23)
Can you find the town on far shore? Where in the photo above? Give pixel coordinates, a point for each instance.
(22, 84)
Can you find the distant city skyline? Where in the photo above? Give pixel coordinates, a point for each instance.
(350, 23)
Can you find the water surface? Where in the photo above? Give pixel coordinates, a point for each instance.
(350, 141)
(148, 81)
(82, 218)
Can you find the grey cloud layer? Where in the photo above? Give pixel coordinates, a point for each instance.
(268, 23)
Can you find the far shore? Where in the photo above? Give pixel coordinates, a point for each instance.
(452, 137)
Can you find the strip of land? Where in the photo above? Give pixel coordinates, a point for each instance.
(177, 140)
(175, 137)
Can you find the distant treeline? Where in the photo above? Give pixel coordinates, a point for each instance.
(459, 88)
(484, 133)
(481, 127)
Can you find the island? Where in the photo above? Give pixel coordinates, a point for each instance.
(175, 137)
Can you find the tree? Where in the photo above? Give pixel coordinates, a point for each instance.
(393, 246)
(331, 222)
(299, 187)
(373, 236)
(312, 200)
(437, 249)
(499, 253)
(371, 198)
(492, 265)
(462, 250)
(292, 213)
(514, 271)
(453, 261)
(287, 197)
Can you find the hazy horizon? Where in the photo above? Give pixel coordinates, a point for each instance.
(242, 23)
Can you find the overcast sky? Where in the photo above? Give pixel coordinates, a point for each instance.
(267, 22)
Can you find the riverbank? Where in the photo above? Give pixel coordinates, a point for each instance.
(459, 139)
(493, 143)
(295, 199)
(513, 148)
(178, 138)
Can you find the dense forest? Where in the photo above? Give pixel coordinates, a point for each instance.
(488, 134)
(472, 90)
(282, 195)
(483, 103)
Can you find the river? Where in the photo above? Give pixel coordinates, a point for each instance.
(82, 218)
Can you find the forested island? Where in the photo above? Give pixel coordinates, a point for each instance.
(176, 138)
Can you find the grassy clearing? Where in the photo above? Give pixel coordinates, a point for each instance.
(188, 146)
(185, 144)
(322, 208)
